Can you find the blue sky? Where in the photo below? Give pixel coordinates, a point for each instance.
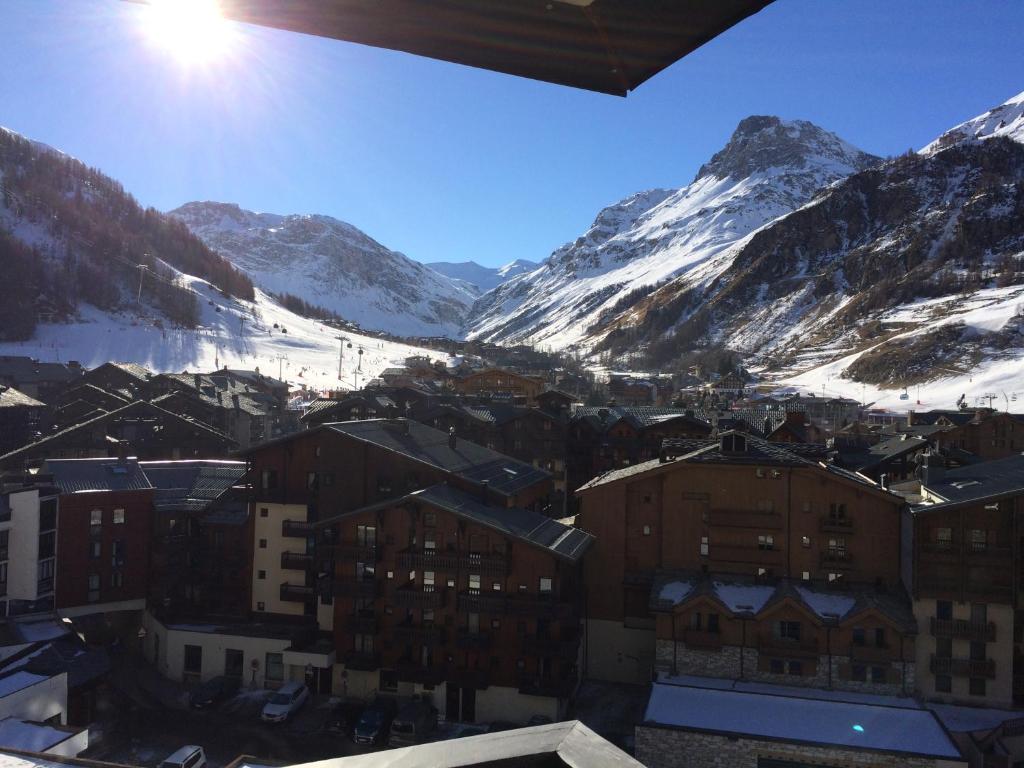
(444, 162)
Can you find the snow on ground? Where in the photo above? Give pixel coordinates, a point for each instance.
(240, 335)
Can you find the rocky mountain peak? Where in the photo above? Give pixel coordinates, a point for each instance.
(764, 142)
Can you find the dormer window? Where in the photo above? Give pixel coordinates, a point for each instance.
(734, 443)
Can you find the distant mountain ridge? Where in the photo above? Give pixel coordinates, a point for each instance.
(481, 277)
(333, 264)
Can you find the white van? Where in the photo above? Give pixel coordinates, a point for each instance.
(186, 757)
(285, 702)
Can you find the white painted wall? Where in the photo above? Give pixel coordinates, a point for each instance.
(38, 702)
(23, 546)
(268, 590)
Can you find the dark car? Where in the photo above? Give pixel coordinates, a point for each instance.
(343, 717)
(373, 725)
(213, 691)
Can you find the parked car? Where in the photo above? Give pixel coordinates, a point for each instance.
(415, 723)
(461, 730)
(213, 691)
(502, 725)
(343, 717)
(285, 702)
(372, 726)
(186, 757)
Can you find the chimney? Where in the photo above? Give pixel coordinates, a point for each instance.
(933, 471)
(451, 438)
(484, 484)
(122, 451)
(910, 418)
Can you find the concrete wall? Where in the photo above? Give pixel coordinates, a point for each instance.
(23, 546)
(617, 653)
(73, 746)
(38, 702)
(669, 748)
(172, 642)
(268, 590)
(998, 691)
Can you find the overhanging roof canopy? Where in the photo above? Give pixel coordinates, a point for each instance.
(610, 46)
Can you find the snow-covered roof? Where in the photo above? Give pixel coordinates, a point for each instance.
(18, 681)
(830, 722)
(30, 737)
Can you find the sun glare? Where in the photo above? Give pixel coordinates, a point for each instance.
(193, 31)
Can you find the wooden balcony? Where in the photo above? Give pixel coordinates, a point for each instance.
(472, 641)
(940, 665)
(363, 661)
(745, 518)
(362, 623)
(986, 552)
(420, 634)
(294, 561)
(296, 529)
(553, 687)
(873, 653)
(702, 639)
(411, 672)
(296, 593)
(472, 602)
(408, 597)
(446, 561)
(353, 587)
(783, 646)
(350, 552)
(836, 558)
(836, 525)
(963, 629)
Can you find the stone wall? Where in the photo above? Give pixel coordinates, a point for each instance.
(725, 663)
(670, 748)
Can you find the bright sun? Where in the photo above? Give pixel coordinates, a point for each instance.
(193, 31)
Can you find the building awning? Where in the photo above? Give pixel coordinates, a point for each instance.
(611, 46)
(321, 656)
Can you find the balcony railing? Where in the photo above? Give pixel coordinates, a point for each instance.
(986, 551)
(362, 623)
(420, 634)
(964, 629)
(702, 639)
(294, 561)
(836, 524)
(411, 672)
(296, 593)
(839, 558)
(350, 551)
(364, 661)
(445, 561)
(784, 646)
(419, 598)
(482, 603)
(353, 587)
(941, 665)
(554, 687)
(296, 529)
(475, 641)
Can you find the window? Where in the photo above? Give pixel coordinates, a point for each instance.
(261, 575)
(328, 478)
(766, 541)
(977, 686)
(118, 517)
(943, 684)
(545, 585)
(117, 553)
(96, 517)
(44, 571)
(474, 583)
(312, 482)
(428, 615)
(777, 667)
(859, 673)
(367, 571)
(264, 512)
(944, 647)
(978, 541)
(795, 668)
(765, 505)
(5, 537)
(837, 511)
(805, 541)
(859, 636)
(979, 613)
(789, 630)
(366, 535)
(116, 579)
(47, 545)
(388, 680)
(274, 667)
(704, 546)
(48, 515)
(263, 543)
(696, 621)
(647, 530)
(383, 485)
(806, 575)
(880, 638)
(944, 609)
(451, 583)
(713, 623)
(943, 538)
(260, 606)
(94, 587)
(495, 623)
(364, 643)
(977, 650)
(429, 519)
(428, 581)
(268, 481)
(429, 544)
(878, 674)
(3, 579)
(496, 586)
(390, 574)
(194, 659)
(837, 546)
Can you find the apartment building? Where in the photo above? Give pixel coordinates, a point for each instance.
(738, 506)
(966, 577)
(28, 534)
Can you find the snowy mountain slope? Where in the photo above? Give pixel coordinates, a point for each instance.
(1005, 120)
(909, 273)
(483, 278)
(769, 168)
(231, 332)
(334, 265)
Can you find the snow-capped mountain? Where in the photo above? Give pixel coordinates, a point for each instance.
(906, 273)
(483, 278)
(334, 265)
(769, 168)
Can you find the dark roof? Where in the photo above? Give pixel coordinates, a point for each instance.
(860, 459)
(77, 475)
(930, 417)
(253, 377)
(611, 46)
(191, 486)
(25, 370)
(639, 417)
(987, 479)
(12, 398)
(431, 446)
